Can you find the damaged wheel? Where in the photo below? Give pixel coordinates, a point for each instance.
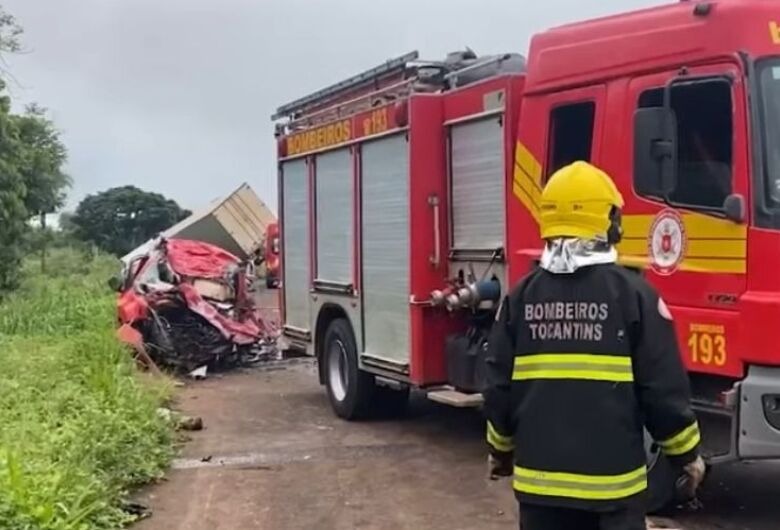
(350, 389)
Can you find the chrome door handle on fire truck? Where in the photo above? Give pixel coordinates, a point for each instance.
(433, 200)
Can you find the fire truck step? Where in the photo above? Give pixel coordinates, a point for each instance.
(454, 398)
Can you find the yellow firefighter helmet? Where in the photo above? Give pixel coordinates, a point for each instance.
(581, 201)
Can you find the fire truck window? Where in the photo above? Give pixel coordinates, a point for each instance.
(704, 141)
(571, 135)
(769, 75)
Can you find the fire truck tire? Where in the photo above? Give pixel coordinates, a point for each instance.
(660, 478)
(350, 389)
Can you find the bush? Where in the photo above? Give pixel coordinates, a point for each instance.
(78, 428)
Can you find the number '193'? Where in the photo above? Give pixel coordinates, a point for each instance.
(707, 345)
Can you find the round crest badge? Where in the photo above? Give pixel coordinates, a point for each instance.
(667, 242)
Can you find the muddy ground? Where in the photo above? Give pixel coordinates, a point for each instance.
(273, 457)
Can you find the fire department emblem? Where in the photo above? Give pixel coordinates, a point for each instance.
(667, 243)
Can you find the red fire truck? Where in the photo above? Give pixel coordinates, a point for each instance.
(409, 203)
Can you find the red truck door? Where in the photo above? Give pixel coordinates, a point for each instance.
(564, 127)
(555, 129)
(690, 251)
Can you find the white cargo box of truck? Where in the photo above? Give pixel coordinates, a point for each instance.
(236, 223)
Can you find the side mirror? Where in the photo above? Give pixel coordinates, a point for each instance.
(655, 151)
(115, 283)
(734, 208)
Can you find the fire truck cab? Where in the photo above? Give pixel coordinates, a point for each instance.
(409, 201)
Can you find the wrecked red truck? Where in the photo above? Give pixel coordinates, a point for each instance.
(187, 304)
(271, 256)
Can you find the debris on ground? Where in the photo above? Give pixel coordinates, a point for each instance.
(181, 421)
(199, 373)
(137, 510)
(659, 524)
(190, 423)
(190, 307)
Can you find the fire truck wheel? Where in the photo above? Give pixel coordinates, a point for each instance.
(660, 478)
(350, 389)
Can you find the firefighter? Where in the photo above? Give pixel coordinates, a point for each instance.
(582, 356)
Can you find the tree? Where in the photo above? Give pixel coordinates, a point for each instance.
(12, 190)
(120, 219)
(67, 226)
(32, 181)
(43, 158)
(13, 214)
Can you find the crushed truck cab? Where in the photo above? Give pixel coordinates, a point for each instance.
(410, 197)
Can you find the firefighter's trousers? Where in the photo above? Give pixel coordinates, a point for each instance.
(535, 517)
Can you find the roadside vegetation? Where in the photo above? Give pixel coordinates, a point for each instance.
(79, 426)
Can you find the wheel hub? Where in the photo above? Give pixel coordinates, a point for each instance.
(337, 370)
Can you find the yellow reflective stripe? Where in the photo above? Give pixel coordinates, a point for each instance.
(590, 375)
(584, 358)
(557, 476)
(573, 366)
(577, 486)
(498, 441)
(528, 163)
(683, 441)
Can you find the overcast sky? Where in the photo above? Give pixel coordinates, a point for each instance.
(175, 95)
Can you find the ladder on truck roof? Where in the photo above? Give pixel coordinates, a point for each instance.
(390, 81)
(371, 76)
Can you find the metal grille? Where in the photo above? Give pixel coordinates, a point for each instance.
(477, 180)
(335, 241)
(295, 225)
(385, 192)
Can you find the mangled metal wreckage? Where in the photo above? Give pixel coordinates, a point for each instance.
(185, 304)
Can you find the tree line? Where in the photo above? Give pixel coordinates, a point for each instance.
(34, 183)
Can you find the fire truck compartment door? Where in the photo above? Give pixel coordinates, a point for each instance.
(477, 184)
(334, 199)
(295, 227)
(385, 236)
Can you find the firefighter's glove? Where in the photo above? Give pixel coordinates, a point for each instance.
(693, 475)
(500, 465)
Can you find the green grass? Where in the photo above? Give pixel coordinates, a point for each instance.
(78, 427)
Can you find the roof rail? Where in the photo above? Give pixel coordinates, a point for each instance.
(346, 108)
(389, 67)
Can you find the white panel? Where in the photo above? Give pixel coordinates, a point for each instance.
(335, 205)
(385, 192)
(295, 226)
(477, 180)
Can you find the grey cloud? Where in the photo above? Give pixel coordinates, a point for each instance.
(176, 95)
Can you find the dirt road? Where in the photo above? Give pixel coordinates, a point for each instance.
(274, 457)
